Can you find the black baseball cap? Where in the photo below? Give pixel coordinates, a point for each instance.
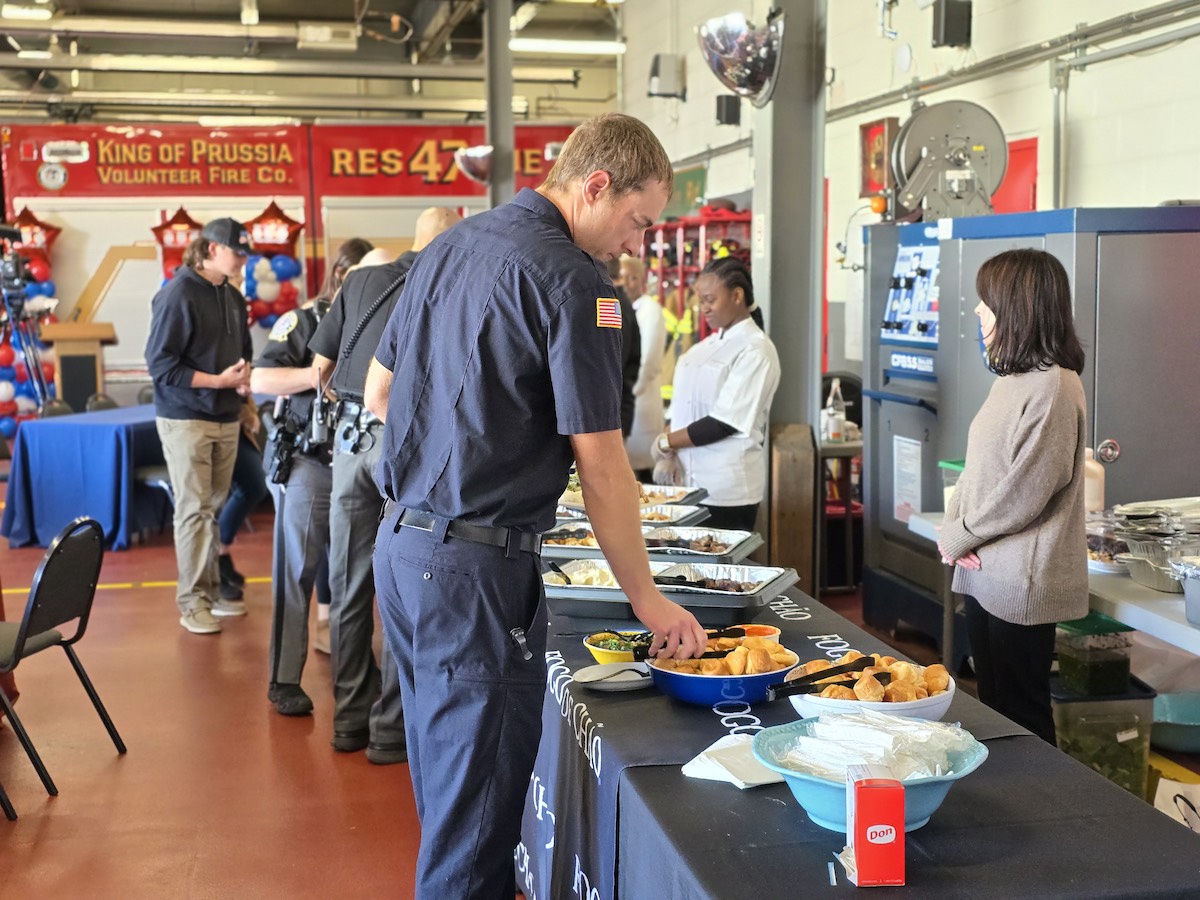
(229, 232)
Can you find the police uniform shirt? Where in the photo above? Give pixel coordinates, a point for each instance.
(732, 376)
(509, 343)
(287, 348)
(362, 288)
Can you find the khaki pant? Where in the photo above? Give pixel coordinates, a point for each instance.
(200, 457)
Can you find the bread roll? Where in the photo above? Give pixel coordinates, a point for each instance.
(838, 692)
(936, 677)
(868, 688)
(900, 692)
(903, 671)
(713, 667)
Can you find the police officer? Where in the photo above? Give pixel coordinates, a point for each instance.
(506, 363)
(298, 458)
(343, 345)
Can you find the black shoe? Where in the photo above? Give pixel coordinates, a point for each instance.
(387, 754)
(228, 572)
(230, 591)
(350, 741)
(290, 700)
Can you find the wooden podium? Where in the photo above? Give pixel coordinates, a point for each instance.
(79, 370)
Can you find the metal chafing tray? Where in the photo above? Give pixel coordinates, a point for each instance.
(677, 514)
(712, 608)
(575, 551)
(688, 496)
(740, 544)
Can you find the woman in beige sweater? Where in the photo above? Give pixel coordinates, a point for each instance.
(1014, 528)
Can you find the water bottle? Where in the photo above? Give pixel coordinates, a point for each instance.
(836, 407)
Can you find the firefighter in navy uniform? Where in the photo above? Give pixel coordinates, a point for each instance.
(501, 365)
(367, 705)
(299, 475)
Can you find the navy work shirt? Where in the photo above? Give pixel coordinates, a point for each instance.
(508, 342)
(361, 290)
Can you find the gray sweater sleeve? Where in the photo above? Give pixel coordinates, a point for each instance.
(1037, 459)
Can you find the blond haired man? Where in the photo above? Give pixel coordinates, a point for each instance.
(507, 365)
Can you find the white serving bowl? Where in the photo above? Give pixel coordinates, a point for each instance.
(931, 708)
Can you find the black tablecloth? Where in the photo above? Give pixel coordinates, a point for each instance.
(592, 740)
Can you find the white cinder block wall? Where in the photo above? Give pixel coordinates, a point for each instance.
(1132, 138)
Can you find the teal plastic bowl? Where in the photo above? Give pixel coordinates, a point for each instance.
(825, 801)
(1177, 722)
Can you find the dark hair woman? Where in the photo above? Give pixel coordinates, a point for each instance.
(1014, 527)
(723, 391)
(349, 254)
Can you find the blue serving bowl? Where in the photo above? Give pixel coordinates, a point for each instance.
(1177, 722)
(825, 801)
(709, 690)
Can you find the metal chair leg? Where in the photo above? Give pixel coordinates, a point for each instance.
(95, 698)
(30, 750)
(6, 805)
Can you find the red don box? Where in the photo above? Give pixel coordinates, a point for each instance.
(875, 826)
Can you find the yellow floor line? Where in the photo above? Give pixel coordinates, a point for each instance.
(136, 585)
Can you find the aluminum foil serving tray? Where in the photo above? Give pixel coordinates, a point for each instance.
(709, 606)
(739, 544)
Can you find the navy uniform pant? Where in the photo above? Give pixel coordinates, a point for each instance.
(358, 703)
(301, 544)
(473, 703)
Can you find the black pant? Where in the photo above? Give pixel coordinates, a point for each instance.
(1012, 663)
(736, 518)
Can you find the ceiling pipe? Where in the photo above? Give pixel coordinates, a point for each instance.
(101, 26)
(230, 65)
(254, 104)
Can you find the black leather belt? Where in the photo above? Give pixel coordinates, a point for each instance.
(511, 539)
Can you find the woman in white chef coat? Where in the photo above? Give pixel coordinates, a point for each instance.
(723, 391)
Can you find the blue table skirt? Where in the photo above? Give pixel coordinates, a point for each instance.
(82, 465)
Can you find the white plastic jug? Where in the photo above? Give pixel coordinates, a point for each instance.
(1093, 487)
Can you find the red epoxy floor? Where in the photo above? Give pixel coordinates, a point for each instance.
(218, 796)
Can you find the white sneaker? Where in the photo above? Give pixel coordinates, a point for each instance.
(200, 621)
(222, 607)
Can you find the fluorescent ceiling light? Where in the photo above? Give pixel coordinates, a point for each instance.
(249, 12)
(12, 42)
(576, 48)
(22, 11)
(35, 54)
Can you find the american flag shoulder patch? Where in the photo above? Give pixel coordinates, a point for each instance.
(608, 312)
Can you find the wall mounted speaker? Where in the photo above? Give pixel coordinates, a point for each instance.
(729, 109)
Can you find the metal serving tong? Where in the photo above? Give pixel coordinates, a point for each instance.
(815, 682)
(641, 653)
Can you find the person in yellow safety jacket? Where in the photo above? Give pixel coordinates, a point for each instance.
(681, 335)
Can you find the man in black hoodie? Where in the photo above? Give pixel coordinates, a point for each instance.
(198, 354)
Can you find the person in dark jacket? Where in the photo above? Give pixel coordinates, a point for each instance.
(198, 356)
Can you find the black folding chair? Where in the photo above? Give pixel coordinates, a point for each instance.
(100, 400)
(6, 805)
(64, 587)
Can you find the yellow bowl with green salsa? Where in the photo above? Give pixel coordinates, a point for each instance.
(616, 646)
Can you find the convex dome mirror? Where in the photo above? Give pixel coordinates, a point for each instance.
(745, 59)
(475, 162)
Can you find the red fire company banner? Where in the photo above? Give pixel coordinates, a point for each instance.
(153, 160)
(416, 160)
(408, 160)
